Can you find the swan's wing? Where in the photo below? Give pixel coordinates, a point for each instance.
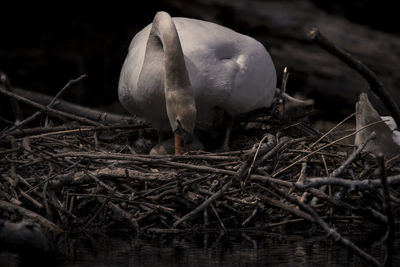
(227, 69)
(393, 127)
(140, 87)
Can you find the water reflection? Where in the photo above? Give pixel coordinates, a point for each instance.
(208, 250)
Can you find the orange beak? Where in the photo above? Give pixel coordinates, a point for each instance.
(178, 141)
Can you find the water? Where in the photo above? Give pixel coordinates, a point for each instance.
(208, 250)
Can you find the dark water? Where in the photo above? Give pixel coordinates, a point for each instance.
(210, 250)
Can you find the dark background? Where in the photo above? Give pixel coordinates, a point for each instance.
(43, 45)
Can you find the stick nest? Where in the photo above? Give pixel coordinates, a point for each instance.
(74, 178)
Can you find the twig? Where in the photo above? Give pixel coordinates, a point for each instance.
(351, 185)
(89, 113)
(105, 201)
(102, 184)
(282, 205)
(338, 171)
(285, 78)
(322, 147)
(118, 156)
(51, 111)
(331, 130)
(248, 219)
(51, 104)
(365, 211)
(302, 177)
(387, 207)
(270, 225)
(38, 132)
(31, 199)
(334, 234)
(375, 84)
(330, 231)
(32, 215)
(204, 205)
(131, 219)
(252, 154)
(219, 218)
(271, 138)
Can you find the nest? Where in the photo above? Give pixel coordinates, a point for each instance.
(74, 178)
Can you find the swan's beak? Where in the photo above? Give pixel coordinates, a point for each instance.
(181, 138)
(179, 144)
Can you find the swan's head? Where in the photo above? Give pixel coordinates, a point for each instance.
(181, 110)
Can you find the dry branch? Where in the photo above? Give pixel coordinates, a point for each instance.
(49, 110)
(32, 215)
(204, 205)
(387, 207)
(51, 104)
(375, 84)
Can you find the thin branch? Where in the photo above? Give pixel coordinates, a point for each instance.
(204, 205)
(322, 147)
(78, 110)
(32, 215)
(351, 185)
(285, 78)
(200, 168)
(51, 111)
(375, 84)
(338, 171)
(387, 207)
(330, 231)
(51, 104)
(331, 130)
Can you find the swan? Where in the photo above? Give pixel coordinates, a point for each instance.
(387, 140)
(182, 73)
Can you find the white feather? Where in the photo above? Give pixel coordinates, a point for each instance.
(227, 70)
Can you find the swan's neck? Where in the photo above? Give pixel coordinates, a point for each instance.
(164, 42)
(165, 34)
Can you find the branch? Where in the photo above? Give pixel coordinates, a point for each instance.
(32, 215)
(375, 84)
(352, 185)
(204, 205)
(51, 111)
(353, 156)
(167, 161)
(68, 107)
(330, 231)
(333, 233)
(51, 104)
(387, 207)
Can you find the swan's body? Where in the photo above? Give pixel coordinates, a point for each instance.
(228, 72)
(387, 140)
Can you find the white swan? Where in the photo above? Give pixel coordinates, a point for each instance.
(387, 140)
(182, 73)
